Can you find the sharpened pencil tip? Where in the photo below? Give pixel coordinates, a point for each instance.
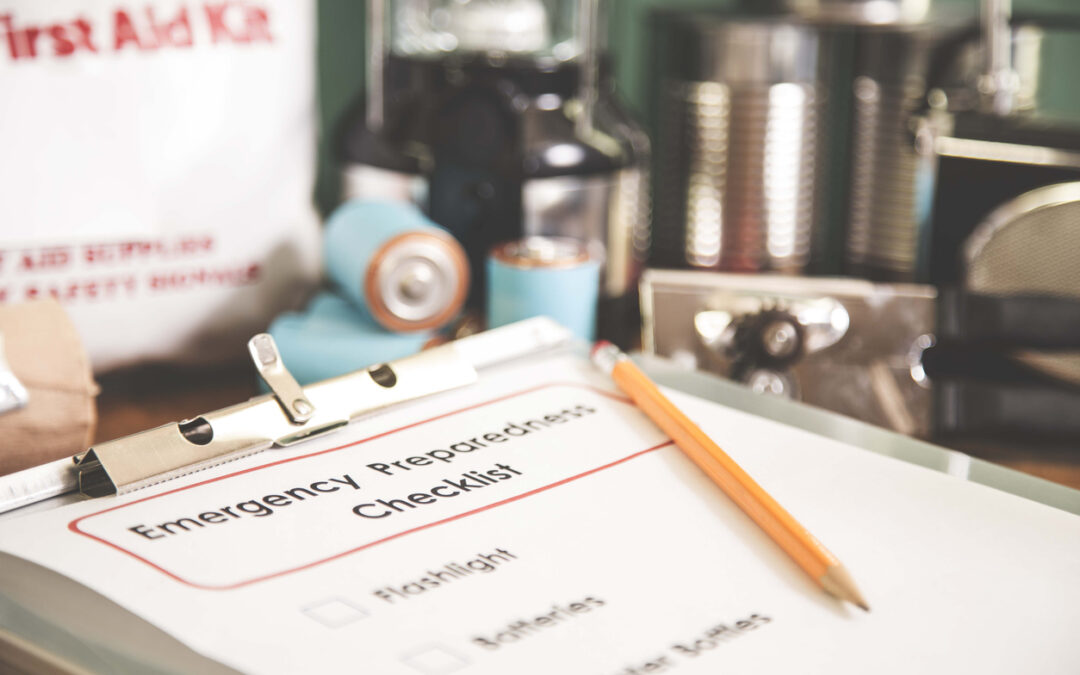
(839, 583)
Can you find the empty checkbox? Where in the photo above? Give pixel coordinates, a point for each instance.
(335, 612)
(434, 660)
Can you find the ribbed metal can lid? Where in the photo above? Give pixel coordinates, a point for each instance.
(540, 251)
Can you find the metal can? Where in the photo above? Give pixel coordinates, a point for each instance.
(891, 183)
(740, 115)
(399, 268)
(544, 276)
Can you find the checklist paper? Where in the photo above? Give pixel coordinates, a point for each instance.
(538, 523)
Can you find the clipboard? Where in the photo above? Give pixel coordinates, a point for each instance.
(100, 650)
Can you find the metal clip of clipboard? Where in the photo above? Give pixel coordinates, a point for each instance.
(289, 414)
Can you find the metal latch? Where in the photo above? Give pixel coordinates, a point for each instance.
(283, 385)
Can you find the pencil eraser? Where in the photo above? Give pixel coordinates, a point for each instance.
(598, 345)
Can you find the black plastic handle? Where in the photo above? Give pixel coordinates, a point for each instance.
(980, 409)
(1032, 321)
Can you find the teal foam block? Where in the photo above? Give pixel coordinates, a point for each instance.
(330, 338)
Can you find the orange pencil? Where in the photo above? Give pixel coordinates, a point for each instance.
(803, 548)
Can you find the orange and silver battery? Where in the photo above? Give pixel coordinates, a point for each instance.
(544, 276)
(395, 265)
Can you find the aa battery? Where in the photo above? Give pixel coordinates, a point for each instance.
(544, 276)
(331, 338)
(400, 269)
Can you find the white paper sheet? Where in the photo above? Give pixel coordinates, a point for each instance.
(587, 545)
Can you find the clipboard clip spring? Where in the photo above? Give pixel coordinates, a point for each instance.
(283, 385)
(289, 414)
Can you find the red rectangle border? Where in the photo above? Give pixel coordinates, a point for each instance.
(74, 524)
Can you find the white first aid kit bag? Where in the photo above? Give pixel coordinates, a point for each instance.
(157, 162)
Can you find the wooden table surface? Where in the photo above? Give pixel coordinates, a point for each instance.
(145, 397)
